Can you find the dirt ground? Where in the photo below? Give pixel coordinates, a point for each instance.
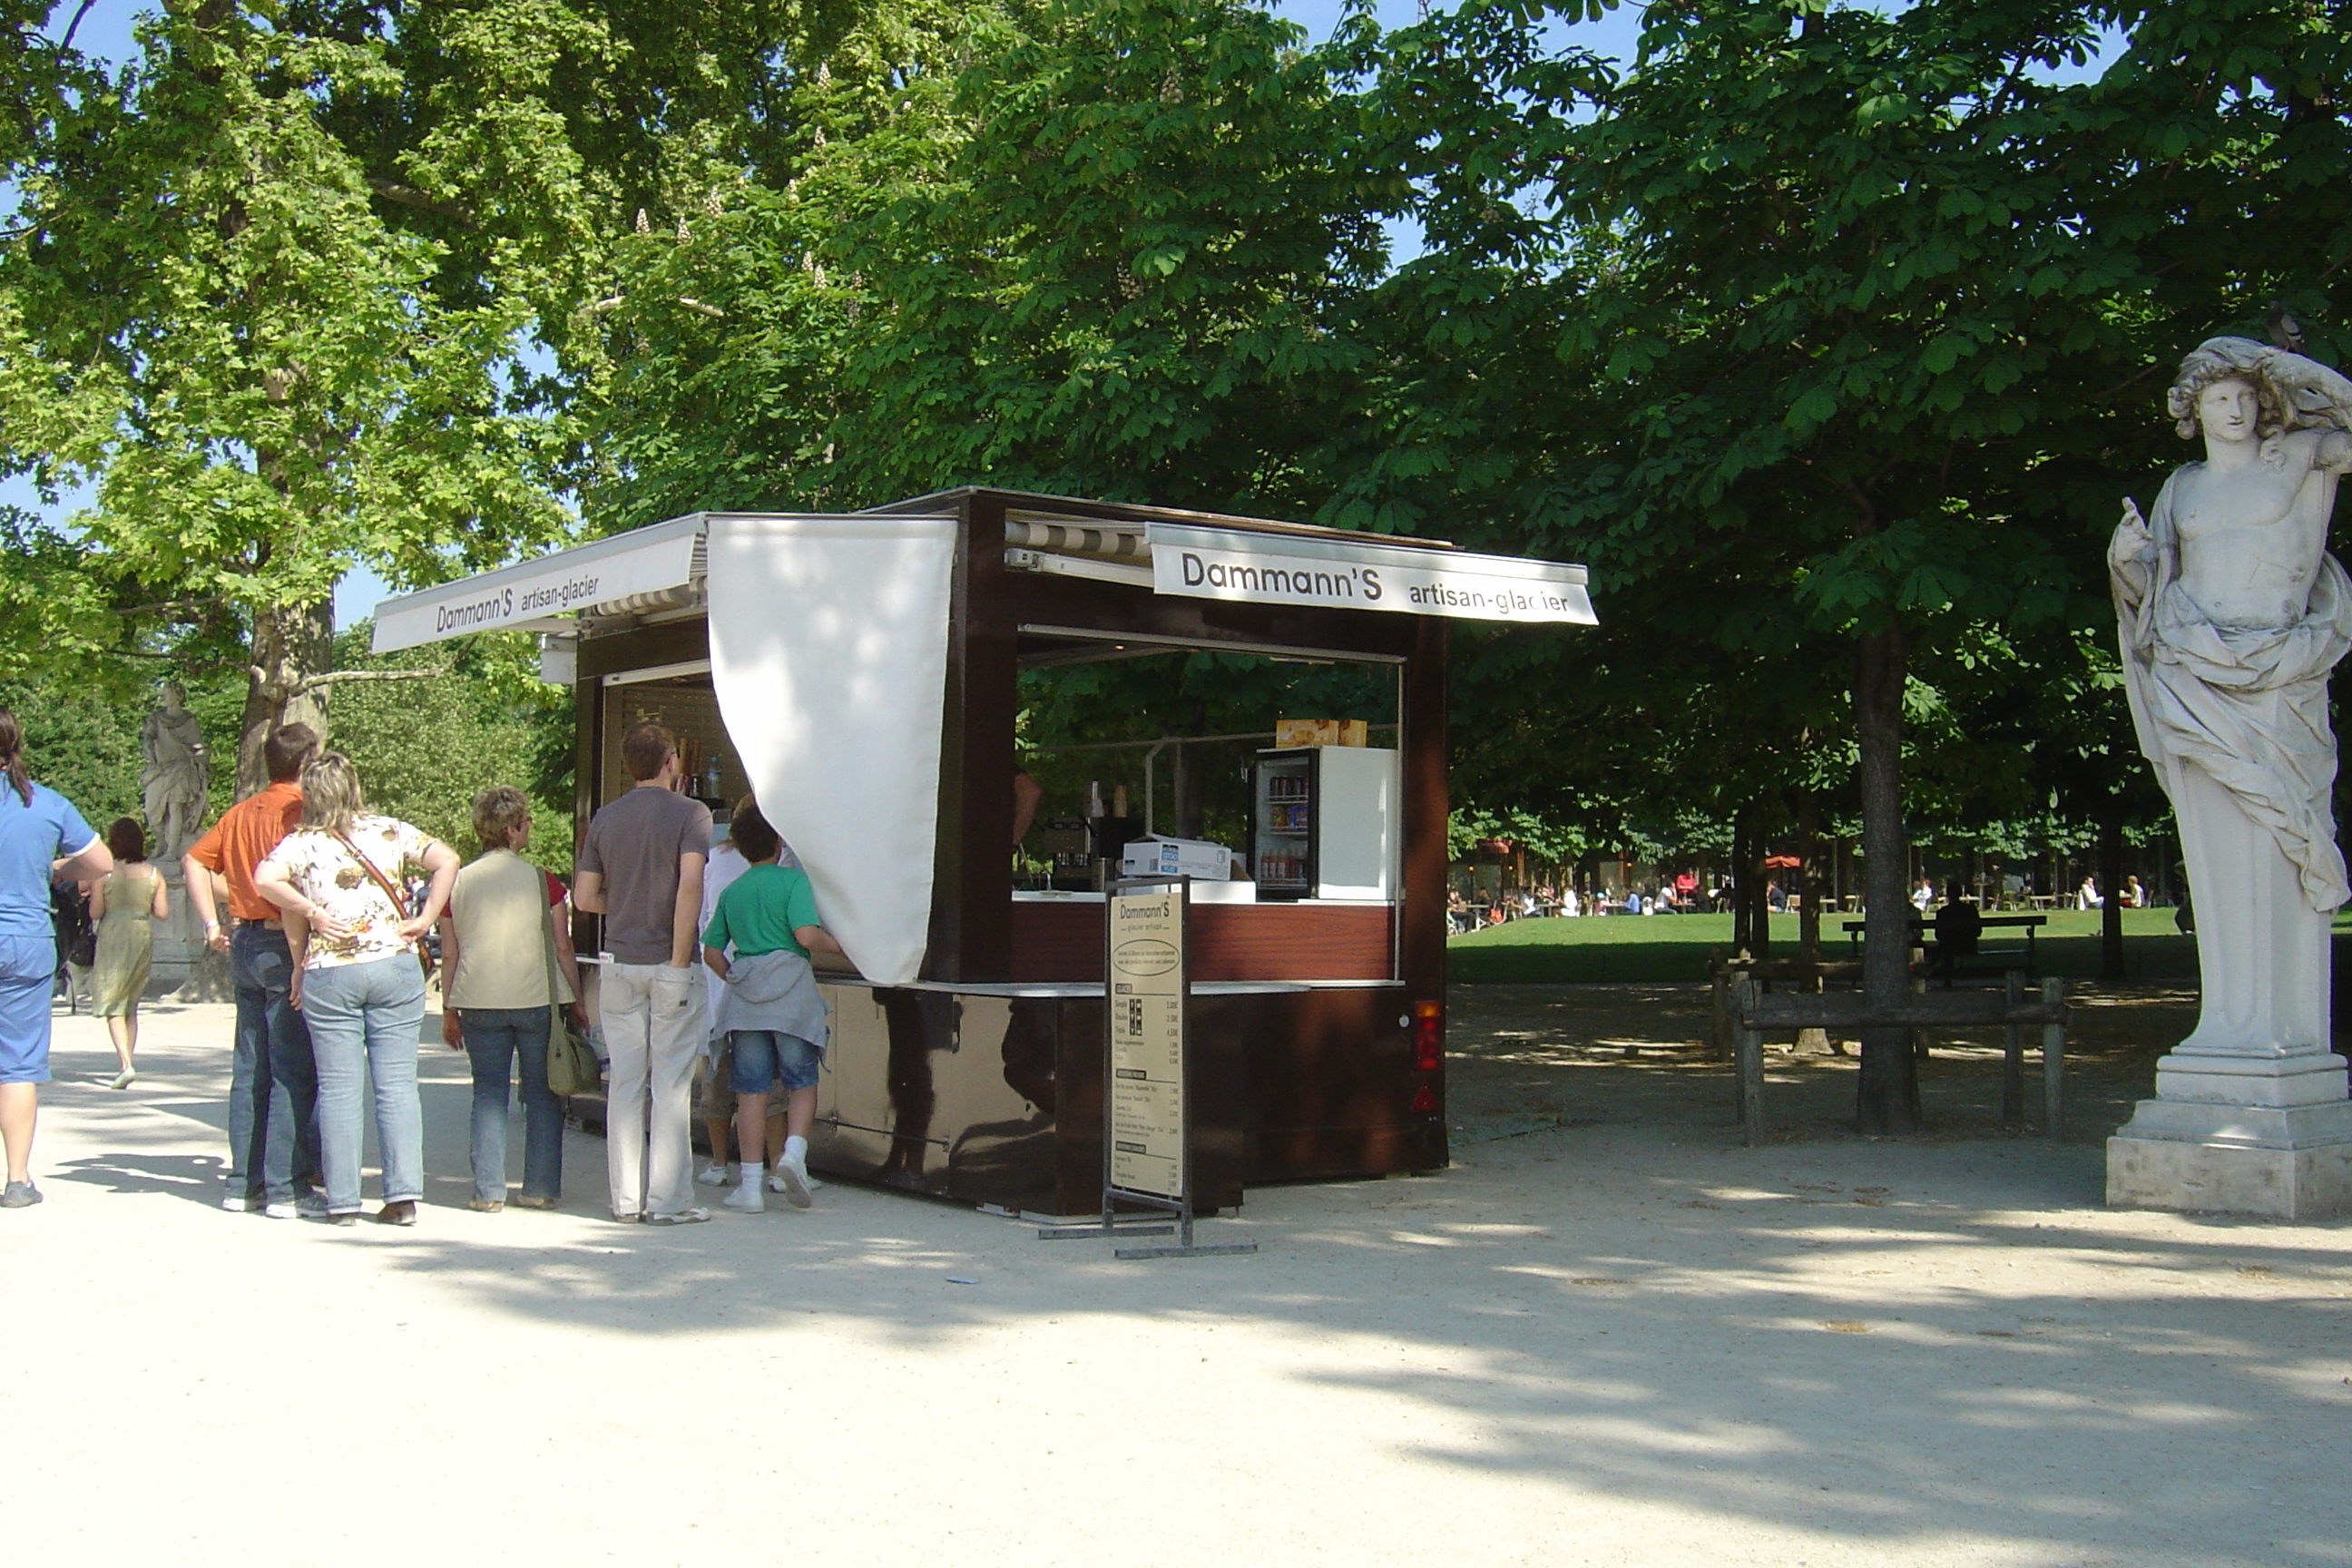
(1530, 1056)
(1610, 1334)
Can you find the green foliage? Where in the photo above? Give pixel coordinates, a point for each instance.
(425, 747)
(275, 285)
(1814, 321)
(80, 744)
(206, 314)
(1818, 320)
(1544, 841)
(1079, 246)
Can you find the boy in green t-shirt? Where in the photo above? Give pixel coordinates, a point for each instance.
(773, 1020)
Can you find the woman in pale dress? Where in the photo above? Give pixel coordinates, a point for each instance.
(125, 903)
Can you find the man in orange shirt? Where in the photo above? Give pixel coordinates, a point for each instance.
(273, 1083)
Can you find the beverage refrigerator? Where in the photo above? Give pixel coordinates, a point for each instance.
(1325, 823)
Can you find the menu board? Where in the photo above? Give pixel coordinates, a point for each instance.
(1146, 1120)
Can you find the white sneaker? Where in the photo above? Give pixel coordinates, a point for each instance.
(308, 1206)
(679, 1217)
(796, 1182)
(713, 1175)
(745, 1199)
(776, 1179)
(236, 1200)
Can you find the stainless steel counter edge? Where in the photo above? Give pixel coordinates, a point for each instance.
(1042, 988)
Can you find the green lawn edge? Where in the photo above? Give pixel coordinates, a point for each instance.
(1673, 949)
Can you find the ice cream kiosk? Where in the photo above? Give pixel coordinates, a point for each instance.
(877, 679)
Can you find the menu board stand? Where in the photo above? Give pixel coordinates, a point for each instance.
(1146, 995)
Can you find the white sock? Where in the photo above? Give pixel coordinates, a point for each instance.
(796, 1150)
(751, 1173)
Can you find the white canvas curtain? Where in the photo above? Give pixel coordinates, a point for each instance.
(828, 649)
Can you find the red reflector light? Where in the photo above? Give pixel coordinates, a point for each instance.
(1424, 1099)
(1428, 1036)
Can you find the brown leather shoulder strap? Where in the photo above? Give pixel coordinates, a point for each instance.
(399, 904)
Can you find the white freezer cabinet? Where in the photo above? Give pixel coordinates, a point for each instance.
(1326, 821)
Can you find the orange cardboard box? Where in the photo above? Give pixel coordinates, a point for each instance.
(1320, 732)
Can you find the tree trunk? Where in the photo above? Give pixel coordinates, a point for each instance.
(2111, 911)
(1743, 932)
(1887, 1098)
(291, 644)
(1808, 880)
(1754, 878)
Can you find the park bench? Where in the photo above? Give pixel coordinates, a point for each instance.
(1756, 1014)
(1986, 959)
(1722, 968)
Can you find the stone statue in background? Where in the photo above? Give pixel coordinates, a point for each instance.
(177, 777)
(2232, 615)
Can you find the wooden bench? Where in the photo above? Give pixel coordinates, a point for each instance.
(1985, 960)
(1722, 969)
(1754, 1014)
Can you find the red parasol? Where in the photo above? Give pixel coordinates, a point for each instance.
(1782, 862)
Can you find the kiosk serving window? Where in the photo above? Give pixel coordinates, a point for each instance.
(680, 699)
(1184, 743)
(1208, 756)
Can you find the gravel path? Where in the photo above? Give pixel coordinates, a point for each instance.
(1609, 1335)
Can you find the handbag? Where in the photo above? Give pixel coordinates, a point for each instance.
(571, 1065)
(399, 905)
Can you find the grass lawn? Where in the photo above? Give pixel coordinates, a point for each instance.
(1666, 948)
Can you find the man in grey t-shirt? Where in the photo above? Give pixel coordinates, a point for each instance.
(640, 866)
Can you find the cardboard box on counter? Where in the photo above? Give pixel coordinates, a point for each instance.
(1290, 732)
(1190, 858)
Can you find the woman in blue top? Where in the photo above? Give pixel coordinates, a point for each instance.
(769, 1011)
(41, 837)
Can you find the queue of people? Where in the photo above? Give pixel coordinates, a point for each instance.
(327, 950)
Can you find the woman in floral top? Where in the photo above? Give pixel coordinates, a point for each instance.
(360, 984)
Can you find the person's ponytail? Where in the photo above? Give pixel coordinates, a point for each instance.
(12, 756)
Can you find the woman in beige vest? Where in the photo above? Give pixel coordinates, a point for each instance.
(503, 914)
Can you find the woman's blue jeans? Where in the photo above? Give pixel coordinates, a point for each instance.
(364, 1019)
(499, 1040)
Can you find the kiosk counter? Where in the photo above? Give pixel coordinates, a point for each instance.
(862, 675)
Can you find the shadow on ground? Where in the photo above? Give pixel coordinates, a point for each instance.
(1873, 1340)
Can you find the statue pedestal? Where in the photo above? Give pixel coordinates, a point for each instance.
(179, 939)
(2239, 1134)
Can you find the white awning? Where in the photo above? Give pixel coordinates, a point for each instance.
(532, 594)
(1250, 567)
(657, 568)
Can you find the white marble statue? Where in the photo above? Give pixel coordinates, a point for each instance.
(2232, 614)
(176, 778)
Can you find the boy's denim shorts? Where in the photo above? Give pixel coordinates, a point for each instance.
(762, 1056)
